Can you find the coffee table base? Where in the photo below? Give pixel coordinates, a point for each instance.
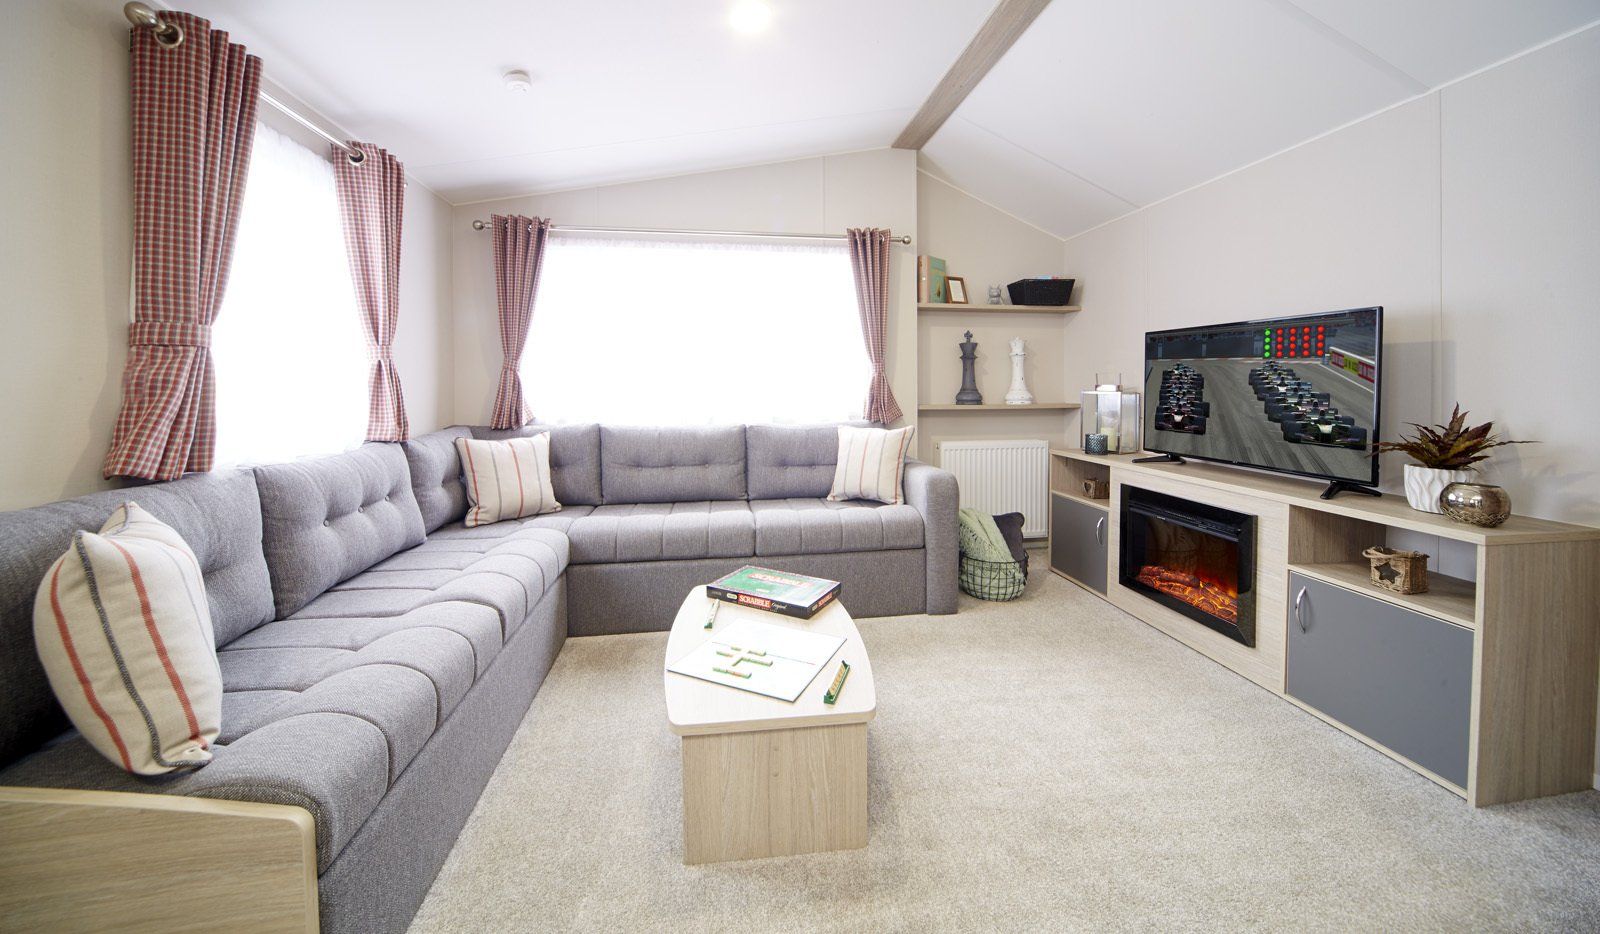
(774, 792)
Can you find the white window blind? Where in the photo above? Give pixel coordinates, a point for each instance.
(291, 361)
(670, 331)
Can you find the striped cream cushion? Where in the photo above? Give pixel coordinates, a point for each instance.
(872, 462)
(123, 630)
(507, 479)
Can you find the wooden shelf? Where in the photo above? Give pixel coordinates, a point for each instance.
(998, 406)
(1388, 509)
(1449, 598)
(1104, 505)
(1000, 309)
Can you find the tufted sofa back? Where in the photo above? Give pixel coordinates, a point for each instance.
(793, 460)
(217, 514)
(671, 465)
(330, 518)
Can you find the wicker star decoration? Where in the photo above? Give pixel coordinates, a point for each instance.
(1388, 573)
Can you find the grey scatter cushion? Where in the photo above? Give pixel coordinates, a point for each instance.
(672, 465)
(219, 517)
(574, 458)
(330, 518)
(1010, 526)
(792, 460)
(436, 476)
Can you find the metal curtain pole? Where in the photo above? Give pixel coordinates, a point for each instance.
(484, 225)
(170, 35)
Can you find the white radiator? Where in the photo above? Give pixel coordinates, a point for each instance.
(998, 477)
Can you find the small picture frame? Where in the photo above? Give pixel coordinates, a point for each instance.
(958, 289)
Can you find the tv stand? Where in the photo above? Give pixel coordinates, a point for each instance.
(1160, 459)
(1335, 487)
(1484, 686)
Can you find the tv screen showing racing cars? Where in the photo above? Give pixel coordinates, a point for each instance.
(1296, 394)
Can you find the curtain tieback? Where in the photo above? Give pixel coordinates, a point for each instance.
(169, 334)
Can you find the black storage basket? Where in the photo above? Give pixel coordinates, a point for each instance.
(1041, 291)
(991, 580)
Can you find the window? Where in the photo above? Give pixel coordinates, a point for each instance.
(672, 332)
(291, 359)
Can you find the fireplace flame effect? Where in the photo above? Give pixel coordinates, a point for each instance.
(1204, 595)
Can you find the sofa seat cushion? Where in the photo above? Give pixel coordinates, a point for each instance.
(559, 521)
(664, 532)
(324, 714)
(509, 574)
(806, 526)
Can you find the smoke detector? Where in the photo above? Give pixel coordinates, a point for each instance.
(518, 81)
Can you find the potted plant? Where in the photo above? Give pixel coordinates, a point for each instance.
(1444, 454)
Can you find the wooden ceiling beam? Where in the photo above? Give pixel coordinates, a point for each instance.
(1009, 20)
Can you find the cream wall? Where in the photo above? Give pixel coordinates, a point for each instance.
(986, 246)
(1471, 214)
(821, 195)
(65, 197)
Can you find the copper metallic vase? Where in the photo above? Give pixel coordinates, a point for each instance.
(1476, 503)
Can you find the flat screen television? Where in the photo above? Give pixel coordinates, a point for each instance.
(1297, 395)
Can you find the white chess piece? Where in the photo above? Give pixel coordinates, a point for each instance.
(1019, 394)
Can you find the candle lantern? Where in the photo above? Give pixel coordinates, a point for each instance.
(1112, 412)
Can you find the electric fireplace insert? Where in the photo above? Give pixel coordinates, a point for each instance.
(1194, 558)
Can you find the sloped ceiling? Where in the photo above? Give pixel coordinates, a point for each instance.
(1101, 107)
(622, 89)
(1105, 106)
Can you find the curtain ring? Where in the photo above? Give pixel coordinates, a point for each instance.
(169, 35)
(356, 156)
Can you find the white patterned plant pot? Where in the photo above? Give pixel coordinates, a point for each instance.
(1424, 484)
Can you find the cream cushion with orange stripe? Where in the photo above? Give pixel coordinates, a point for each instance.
(124, 632)
(872, 464)
(507, 479)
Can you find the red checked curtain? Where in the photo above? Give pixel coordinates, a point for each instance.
(869, 258)
(518, 257)
(194, 117)
(372, 196)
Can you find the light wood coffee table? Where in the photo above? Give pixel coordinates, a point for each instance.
(764, 777)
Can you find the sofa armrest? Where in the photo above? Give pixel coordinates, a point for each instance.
(934, 494)
(97, 860)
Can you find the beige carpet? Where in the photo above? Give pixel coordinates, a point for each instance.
(1046, 764)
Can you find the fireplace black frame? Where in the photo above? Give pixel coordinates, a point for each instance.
(1216, 522)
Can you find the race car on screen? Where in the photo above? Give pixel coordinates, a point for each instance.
(1331, 430)
(1182, 371)
(1181, 417)
(1186, 400)
(1283, 403)
(1280, 385)
(1269, 371)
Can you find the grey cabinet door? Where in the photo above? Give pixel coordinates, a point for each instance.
(1078, 535)
(1399, 677)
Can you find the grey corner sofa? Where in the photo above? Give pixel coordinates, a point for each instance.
(377, 655)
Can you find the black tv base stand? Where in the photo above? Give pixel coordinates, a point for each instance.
(1160, 459)
(1336, 487)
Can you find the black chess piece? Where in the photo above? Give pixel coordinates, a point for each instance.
(969, 394)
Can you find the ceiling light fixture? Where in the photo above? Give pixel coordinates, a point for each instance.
(518, 81)
(750, 16)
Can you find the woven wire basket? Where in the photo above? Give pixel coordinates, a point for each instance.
(991, 580)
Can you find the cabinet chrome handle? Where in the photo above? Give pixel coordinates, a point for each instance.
(1299, 611)
(1100, 531)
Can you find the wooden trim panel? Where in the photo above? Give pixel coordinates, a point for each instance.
(99, 860)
